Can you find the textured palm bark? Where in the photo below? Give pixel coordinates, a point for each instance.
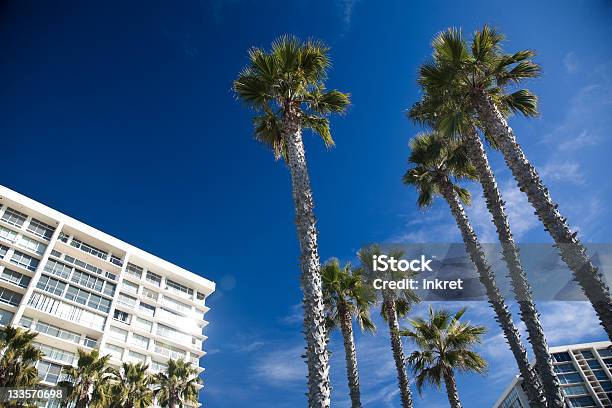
(503, 316)
(520, 284)
(350, 354)
(572, 251)
(451, 390)
(398, 352)
(317, 358)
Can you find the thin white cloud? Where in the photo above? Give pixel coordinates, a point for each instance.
(281, 367)
(566, 172)
(570, 62)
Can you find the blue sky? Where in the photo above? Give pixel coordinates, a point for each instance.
(121, 115)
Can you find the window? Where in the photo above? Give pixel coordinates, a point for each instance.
(170, 333)
(147, 309)
(56, 254)
(136, 357)
(5, 316)
(55, 353)
(587, 354)
(169, 351)
(118, 334)
(25, 261)
(14, 217)
(575, 390)
(565, 368)
(89, 249)
(177, 287)
(143, 324)
(26, 322)
(127, 300)
(58, 269)
(605, 352)
(606, 385)
(87, 298)
(7, 235)
(51, 285)
(585, 401)
(9, 297)
(150, 294)
(134, 271)
(109, 289)
(63, 237)
(89, 342)
(157, 366)
(87, 280)
(48, 372)
(153, 278)
(593, 364)
(569, 378)
(41, 229)
(15, 278)
(121, 316)
(114, 351)
(600, 374)
(55, 331)
(116, 260)
(561, 357)
(201, 296)
(130, 287)
(32, 245)
(175, 305)
(140, 341)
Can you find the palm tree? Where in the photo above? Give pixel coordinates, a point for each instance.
(286, 88)
(346, 296)
(88, 383)
(445, 345)
(434, 163)
(454, 122)
(395, 305)
(477, 78)
(178, 385)
(132, 387)
(18, 358)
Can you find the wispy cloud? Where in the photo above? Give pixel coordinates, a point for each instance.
(346, 8)
(566, 172)
(570, 62)
(281, 367)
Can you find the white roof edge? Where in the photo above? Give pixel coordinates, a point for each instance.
(202, 282)
(595, 344)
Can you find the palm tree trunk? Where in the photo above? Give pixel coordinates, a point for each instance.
(346, 325)
(503, 316)
(522, 289)
(398, 352)
(317, 358)
(573, 252)
(451, 390)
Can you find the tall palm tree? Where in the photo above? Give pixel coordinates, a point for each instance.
(286, 87)
(178, 385)
(18, 358)
(88, 383)
(346, 296)
(445, 346)
(478, 78)
(132, 387)
(455, 122)
(395, 305)
(434, 165)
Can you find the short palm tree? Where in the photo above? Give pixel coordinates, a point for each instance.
(88, 383)
(455, 122)
(18, 358)
(395, 305)
(346, 296)
(286, 87)
(178, 385)
(477, 78)
(435, 162)
(132, 387)
(445, 345)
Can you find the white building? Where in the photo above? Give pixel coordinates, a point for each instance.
(583, 371)
(81, 288)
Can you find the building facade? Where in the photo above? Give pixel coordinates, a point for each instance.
(583, 371)
(81, 288)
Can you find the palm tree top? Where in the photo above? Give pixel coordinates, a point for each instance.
(445, 344)
(289, 80)
(433, 161)
(345, 285)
